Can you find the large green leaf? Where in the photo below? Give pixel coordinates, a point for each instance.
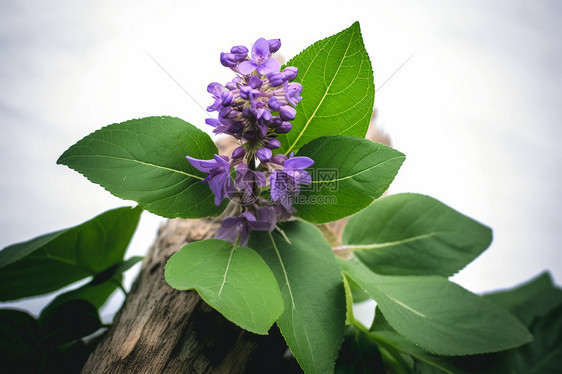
(98, 290)
(347, 175)
(233, 280)
(538, 304)
(144, 160)
(411, 234)
(512, 298)
(312, 288)
(55, 260)
(338, 90)
(544, 354)
(439, 316)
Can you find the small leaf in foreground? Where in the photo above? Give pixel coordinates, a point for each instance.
(233, 280)
(439, 316)
(144, 160)
(412, 234)
(347, 175)
(312, 287)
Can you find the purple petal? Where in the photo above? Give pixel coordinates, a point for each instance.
(226, 98)
(202, 165)
(299, 163)
(260, 50)
(230, 229)
(248, 216)
(214, 88)
(269, 67)
(212, 122)
(261, 179)
(266, 219)
(247, 67)
(301, 177)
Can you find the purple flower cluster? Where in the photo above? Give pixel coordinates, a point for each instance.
(256, 106)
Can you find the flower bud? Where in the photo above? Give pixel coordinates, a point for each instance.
(244, 91)
(284, 127)
(274, 45)
(277, 79)
(287, 113)
(239, 49)
(278, 159)
(274, 104)
(272, 143)
(226, 98)
(238, 152)
(264, 154)
(228, 60)
(233, 84)
(255, 82)
(290, 72)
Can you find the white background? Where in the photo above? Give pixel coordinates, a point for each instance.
(476, 109)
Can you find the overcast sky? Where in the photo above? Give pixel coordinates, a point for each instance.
(476, 109)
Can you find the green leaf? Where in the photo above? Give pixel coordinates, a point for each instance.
(144, 160)
(411, 234)
(544, 354)
(521, 294)
(233, 280)
(439, 316)
(55, 260)
(347, 175)
(338, 90)
(69, 321)
(19, 335)
(98, 290)
(312, 288)
(358, 354)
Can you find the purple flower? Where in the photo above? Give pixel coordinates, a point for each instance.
(285, 183)
(219, 175)
(238, 228)
(246, 179)
(261, 60)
